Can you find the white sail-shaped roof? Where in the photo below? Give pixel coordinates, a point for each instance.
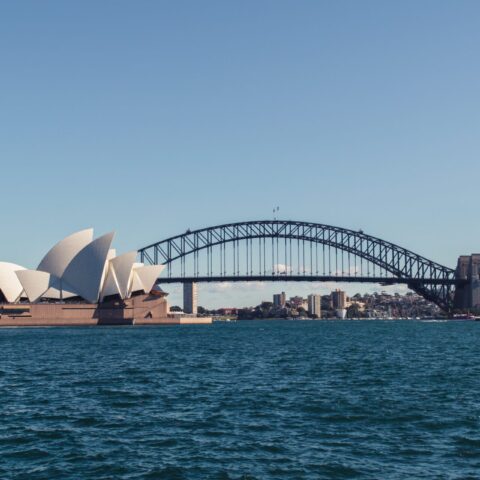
(79, 266)
(37, 284)
(122, 266)
(9, 283)
(144, 277)
(135, 284)
(109, 282)
(59, 257)
(64, 293)
(86, 270)
(109, 285)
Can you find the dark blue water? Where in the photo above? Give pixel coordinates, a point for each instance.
(263, 400)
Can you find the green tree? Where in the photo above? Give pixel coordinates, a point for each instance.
(353, 311)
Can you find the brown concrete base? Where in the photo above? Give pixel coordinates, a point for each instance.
(151, 309)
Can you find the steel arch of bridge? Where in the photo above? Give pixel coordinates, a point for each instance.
(433, 281)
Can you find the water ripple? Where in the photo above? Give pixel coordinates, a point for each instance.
(253, 400)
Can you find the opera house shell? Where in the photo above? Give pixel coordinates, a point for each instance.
(82, 281)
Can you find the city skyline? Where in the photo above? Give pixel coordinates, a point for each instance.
(247, 294)
(335, 305)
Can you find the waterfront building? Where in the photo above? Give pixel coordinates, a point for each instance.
(190, 298)
(82, 281)
(339, 300)
(315, 305)
(279, 300)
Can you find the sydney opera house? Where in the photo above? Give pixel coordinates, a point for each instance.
(82, 281)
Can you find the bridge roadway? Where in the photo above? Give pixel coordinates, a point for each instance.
(312, 278)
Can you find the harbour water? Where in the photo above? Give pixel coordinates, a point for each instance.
(244, 400)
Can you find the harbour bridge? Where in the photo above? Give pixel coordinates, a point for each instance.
(284, 250)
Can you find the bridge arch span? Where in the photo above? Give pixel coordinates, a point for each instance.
(268, 243)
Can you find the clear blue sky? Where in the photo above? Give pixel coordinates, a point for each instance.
(149, 117)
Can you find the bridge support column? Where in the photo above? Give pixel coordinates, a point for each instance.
(190, 298)
(467, 296)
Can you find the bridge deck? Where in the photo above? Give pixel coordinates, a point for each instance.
(309, 278)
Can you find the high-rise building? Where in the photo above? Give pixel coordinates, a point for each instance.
(315, 305)
(279, 299)
(190, 298)
(339, 299)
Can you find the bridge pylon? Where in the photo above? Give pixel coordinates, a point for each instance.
(467, 294)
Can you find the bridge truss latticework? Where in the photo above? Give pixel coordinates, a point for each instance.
(276, 250)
